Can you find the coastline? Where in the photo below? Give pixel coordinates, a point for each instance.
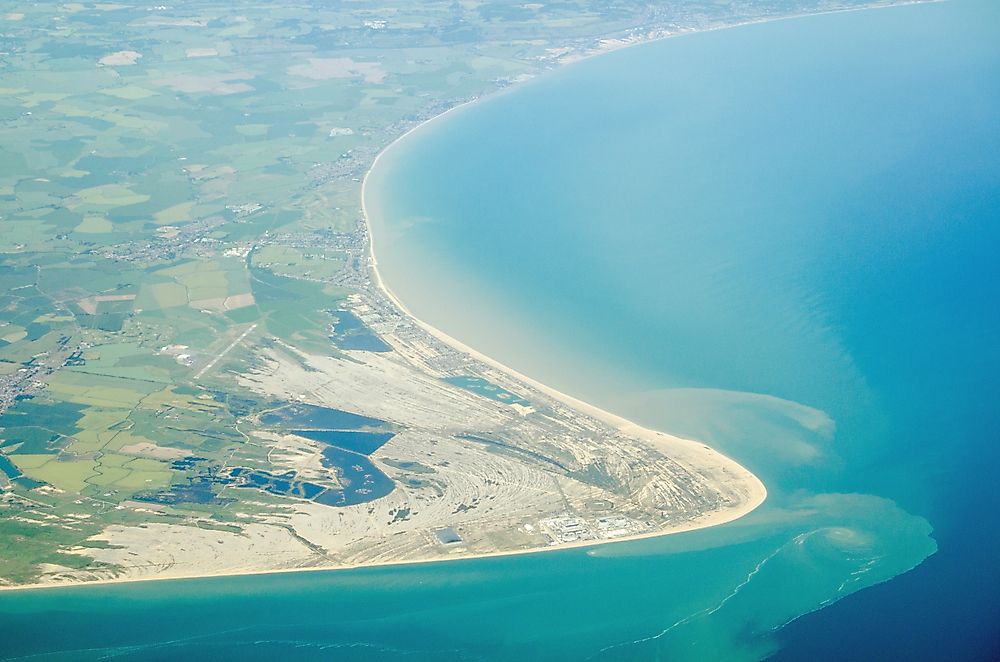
(652, 436)
(692, 525)
(656, 438)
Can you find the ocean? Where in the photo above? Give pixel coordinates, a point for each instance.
(780, 239)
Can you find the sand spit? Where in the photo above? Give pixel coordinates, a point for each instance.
(314, 538)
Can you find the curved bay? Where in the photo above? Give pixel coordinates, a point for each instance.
(729, 236)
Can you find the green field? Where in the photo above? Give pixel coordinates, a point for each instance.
(156, 206)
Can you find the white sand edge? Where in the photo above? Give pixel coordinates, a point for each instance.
(714, 518)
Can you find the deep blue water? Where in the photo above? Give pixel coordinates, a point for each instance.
(807, 211)
(300, 415)
(363, 481)
(780, 239)
(8, 468)
(351, 333)
(480, 386)
(365, 443)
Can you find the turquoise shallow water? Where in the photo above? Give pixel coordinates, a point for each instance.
(780, 239)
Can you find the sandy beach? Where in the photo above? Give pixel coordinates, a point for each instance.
(669, 444)
(693, 452)
(690, 452)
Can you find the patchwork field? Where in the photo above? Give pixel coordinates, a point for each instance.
(179, 208)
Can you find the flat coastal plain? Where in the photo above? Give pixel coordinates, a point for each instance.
(202, 371)
(483, 461)
(511, 467)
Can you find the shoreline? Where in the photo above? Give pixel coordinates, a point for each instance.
(663, 441)
(656, 438)
(692, 525)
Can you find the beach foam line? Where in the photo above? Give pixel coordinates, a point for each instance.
(671, 445)
(714, 518)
